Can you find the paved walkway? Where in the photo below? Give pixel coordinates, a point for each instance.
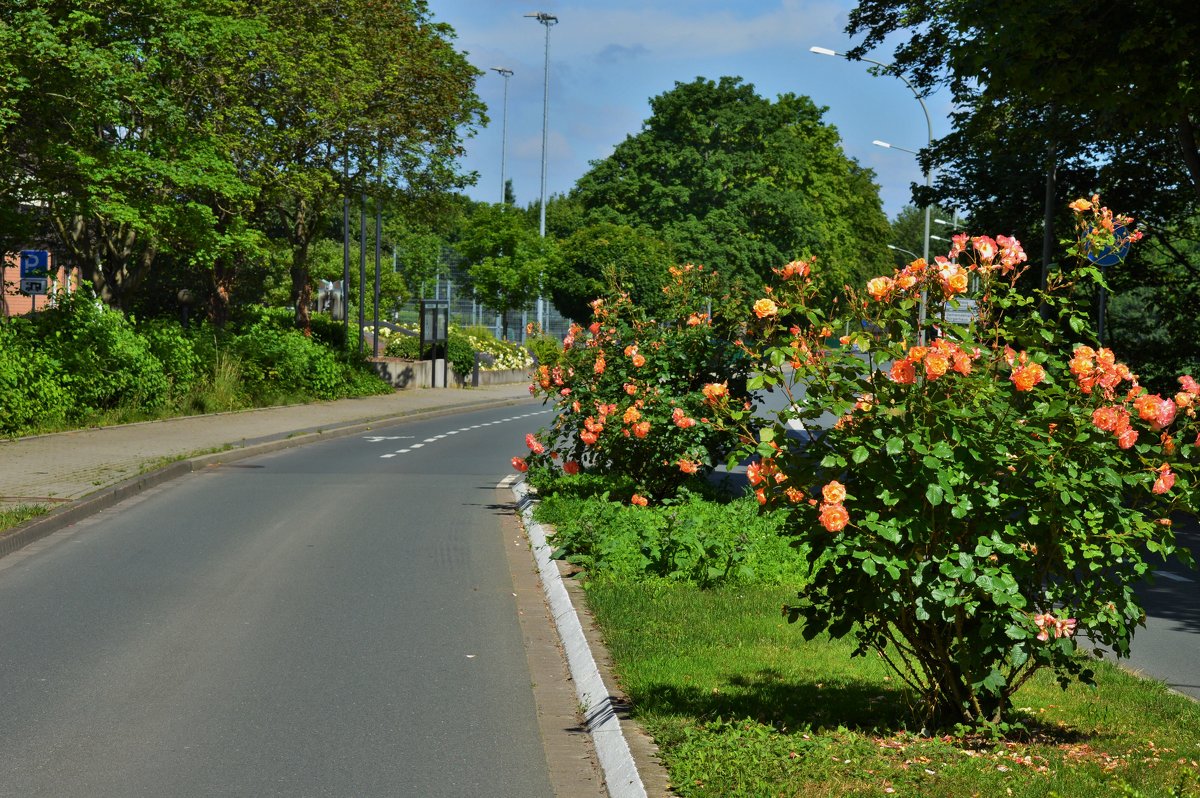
(85, 470)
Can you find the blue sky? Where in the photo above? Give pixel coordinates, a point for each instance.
(607, 59)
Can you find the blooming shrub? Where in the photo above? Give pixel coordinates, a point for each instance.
(983, 497)
(633, 394)
(464, 343)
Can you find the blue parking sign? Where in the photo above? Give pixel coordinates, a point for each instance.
(35, 263)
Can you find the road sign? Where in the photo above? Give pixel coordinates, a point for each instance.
(1111, 256)
(963, 314)
(33, 285)
(35, 263)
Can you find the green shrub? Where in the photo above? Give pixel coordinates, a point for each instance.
(545, 348)
(461, 353)
(31, 382)
(176, 350)
(405, 346)
(692, 540)
(328, 331)
(105, 363)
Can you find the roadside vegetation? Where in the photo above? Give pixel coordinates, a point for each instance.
(907, 600)
(80, 364)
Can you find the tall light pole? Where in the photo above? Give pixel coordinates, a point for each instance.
(506, 74)
(929, 131)
(547, 20)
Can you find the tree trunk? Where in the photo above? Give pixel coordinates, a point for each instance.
(301, 284)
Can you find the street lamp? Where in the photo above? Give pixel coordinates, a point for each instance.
(929, 131)
(902, 249)
(548, 20)
(928, 208)
(506, 74)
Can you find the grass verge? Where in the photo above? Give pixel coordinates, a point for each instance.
(741, 705)
(20, 514)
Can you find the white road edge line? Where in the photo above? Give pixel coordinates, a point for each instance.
(620, 772)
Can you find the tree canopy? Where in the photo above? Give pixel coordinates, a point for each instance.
(199, 128)
(1057, 100)
(1104, 95)
(741, 184)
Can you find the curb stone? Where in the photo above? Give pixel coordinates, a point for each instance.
(601, 711)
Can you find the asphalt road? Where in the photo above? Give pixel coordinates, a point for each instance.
(332, 620)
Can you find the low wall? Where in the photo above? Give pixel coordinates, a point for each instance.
(406, 374)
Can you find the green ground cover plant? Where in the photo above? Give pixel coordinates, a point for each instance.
(692, 539)
(15, 516)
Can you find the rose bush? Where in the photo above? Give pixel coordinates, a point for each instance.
(984, 497)
(632, 393)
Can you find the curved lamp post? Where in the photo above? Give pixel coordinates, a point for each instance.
(929, 131)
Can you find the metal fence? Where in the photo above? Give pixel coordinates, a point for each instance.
(455, 289)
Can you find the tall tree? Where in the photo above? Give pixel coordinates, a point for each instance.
(605, 259)
(742, 184)
(197, 127)
(508, 261)
(1101, 96)
(359, 96)
(113, 135)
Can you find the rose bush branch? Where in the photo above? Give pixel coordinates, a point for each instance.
(632, 394)
(980, 500)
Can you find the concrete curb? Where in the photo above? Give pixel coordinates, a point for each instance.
(620, 772)
(37, 528)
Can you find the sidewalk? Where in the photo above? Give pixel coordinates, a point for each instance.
(83, 471)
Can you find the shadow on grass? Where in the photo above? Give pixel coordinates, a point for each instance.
(768, 698)
(852, 704)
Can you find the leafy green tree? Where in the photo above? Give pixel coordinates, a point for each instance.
(509, 260)
(116, 132)
(606, 258)
(1150, 314)
(741, 184)
(198, 129)
(908, 231)
(371, 99)
(1127, 72)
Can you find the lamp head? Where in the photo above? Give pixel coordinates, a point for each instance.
(823, 51)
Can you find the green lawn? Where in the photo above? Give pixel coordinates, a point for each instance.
(741, 705)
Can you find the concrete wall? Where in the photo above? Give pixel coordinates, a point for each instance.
(410, 374)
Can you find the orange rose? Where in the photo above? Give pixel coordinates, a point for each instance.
(765, 308)
(834, 492)
(1028, 376)
(834, 517)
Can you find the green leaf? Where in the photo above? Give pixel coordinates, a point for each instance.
(894, 445)
(934, 494)
(860, 455)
